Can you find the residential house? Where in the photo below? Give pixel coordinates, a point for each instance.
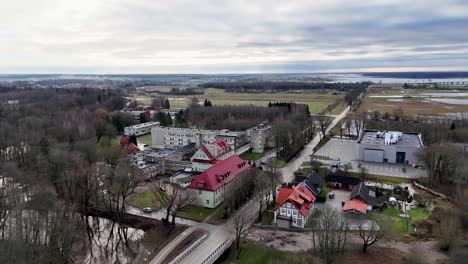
(342, 181)
(209, 154)
(214, 183)
(314, 183)
(362, 200)
(293, 206)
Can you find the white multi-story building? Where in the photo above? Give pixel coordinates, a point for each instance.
(260, 136)
(140, 129)
(163, 137)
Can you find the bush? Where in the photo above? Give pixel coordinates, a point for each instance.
(322, 197)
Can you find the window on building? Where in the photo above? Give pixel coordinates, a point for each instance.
(207, 201)
(282, 211)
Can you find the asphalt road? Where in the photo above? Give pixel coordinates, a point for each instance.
(287, 172)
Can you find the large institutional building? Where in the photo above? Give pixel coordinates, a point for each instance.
(210, 154)
(140, 129)
(388, 146)
(258, 137)
(212, 185)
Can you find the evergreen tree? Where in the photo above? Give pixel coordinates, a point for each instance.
(166, 104)
(169, 119)
(452, 126)
(117, 122)
(162, 119)
(179, 117)
(207, 103)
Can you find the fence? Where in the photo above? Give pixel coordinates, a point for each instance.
(190, 249)
(218, 252)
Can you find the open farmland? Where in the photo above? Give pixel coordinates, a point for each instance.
(317, 101)
(416, 101)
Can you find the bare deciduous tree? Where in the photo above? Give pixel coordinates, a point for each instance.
(369, 234)
(241, 222)
(330, 234)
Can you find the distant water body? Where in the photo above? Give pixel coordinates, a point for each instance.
(399, 77)
(384, 77)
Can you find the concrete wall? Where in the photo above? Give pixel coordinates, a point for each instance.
(389, 152)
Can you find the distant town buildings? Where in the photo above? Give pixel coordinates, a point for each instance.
(388, 146)
(212, 185)
(210, 154)
(140, 129)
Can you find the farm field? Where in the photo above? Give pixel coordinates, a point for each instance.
(376, 101)
(317, 101)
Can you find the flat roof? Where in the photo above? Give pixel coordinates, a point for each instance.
(408, 139)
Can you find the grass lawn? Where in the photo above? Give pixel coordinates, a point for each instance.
(255, 253)
(251, 155)
(306, 164)
(216, 217)
(281, 163)
(195, 213)
(144, 199)
(382, 178)
(146, 139)
(390, 217)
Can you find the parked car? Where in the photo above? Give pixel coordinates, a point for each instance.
(331, 195)
(147, 210)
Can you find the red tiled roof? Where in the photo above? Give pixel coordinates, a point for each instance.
(221, 148)
(356, 205)
(131, 148)
(123, 141)
(300, 196)
(217, 175)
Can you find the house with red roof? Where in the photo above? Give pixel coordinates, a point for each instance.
(212, 185)
(294, 206)
(361, 200)
(210, 154)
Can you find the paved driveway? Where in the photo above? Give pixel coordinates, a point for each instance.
(338, 149)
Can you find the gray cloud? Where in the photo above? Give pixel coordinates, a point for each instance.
(118, 36)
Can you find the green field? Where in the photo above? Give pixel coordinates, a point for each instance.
(317, 101)
(255, 253)
(251, 155)
(195, 213)
(144, 199)
(382, 178)
(146, 139)
(398, 225)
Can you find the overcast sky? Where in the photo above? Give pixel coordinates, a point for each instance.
(216, 36)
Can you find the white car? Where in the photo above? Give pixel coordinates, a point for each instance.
(147, 210)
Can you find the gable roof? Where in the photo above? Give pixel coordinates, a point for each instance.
(221, 149)
(219, 174)
(300, 196)
(361, 191)
(356, 205)
(314, 182)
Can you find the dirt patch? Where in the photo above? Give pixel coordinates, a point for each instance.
(282, 240)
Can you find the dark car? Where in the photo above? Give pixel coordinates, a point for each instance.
(147, 210)
(331, 195)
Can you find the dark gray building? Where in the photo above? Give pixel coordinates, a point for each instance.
(388, 146)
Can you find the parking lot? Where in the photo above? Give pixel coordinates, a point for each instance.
(344, 151)
(338, 149)
(388, 169)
